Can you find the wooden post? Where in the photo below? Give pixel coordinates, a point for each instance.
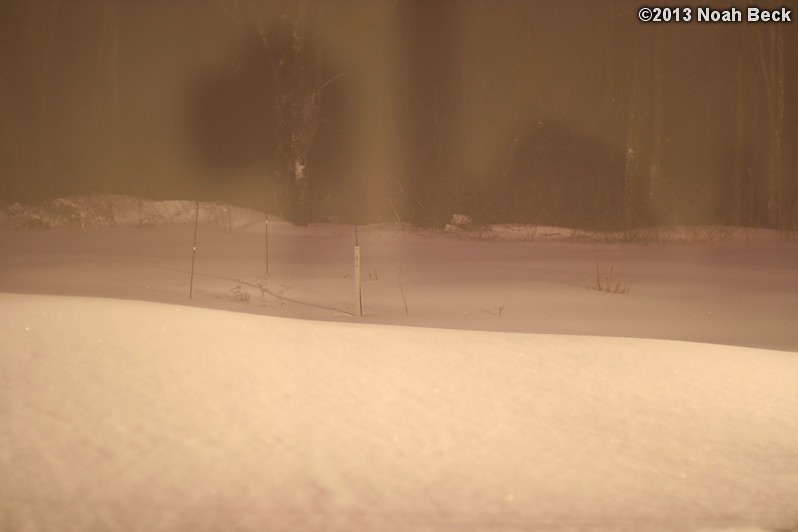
(358, 298)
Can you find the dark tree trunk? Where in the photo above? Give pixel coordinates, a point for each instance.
(655, 163)
(299, 87)
(739, 164)
(631, 193)
(770, 46)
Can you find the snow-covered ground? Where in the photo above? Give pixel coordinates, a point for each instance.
(512, 395)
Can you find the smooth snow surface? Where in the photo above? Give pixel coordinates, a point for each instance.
(292, 414)
(736, 291)
(141, 416)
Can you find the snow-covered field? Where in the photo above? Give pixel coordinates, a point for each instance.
(510, 395)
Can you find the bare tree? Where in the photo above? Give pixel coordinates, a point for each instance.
(106, 101)
(739, 215)
(292, 36)
(41, 34)
(632, 167)
(298, 104)
(769, 40)
(655, 162)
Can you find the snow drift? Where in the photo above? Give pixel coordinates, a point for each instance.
(125, 415)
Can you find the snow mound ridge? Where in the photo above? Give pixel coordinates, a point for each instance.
(128, 415)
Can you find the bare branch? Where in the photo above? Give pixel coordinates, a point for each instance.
(323, 85)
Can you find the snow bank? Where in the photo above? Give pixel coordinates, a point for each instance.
(111, 210)
(123, 415)
(108, 210)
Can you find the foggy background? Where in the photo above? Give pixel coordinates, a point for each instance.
(568, 113)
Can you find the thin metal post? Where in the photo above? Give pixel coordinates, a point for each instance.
(193, 253)
(358, 297)
(267, 245)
